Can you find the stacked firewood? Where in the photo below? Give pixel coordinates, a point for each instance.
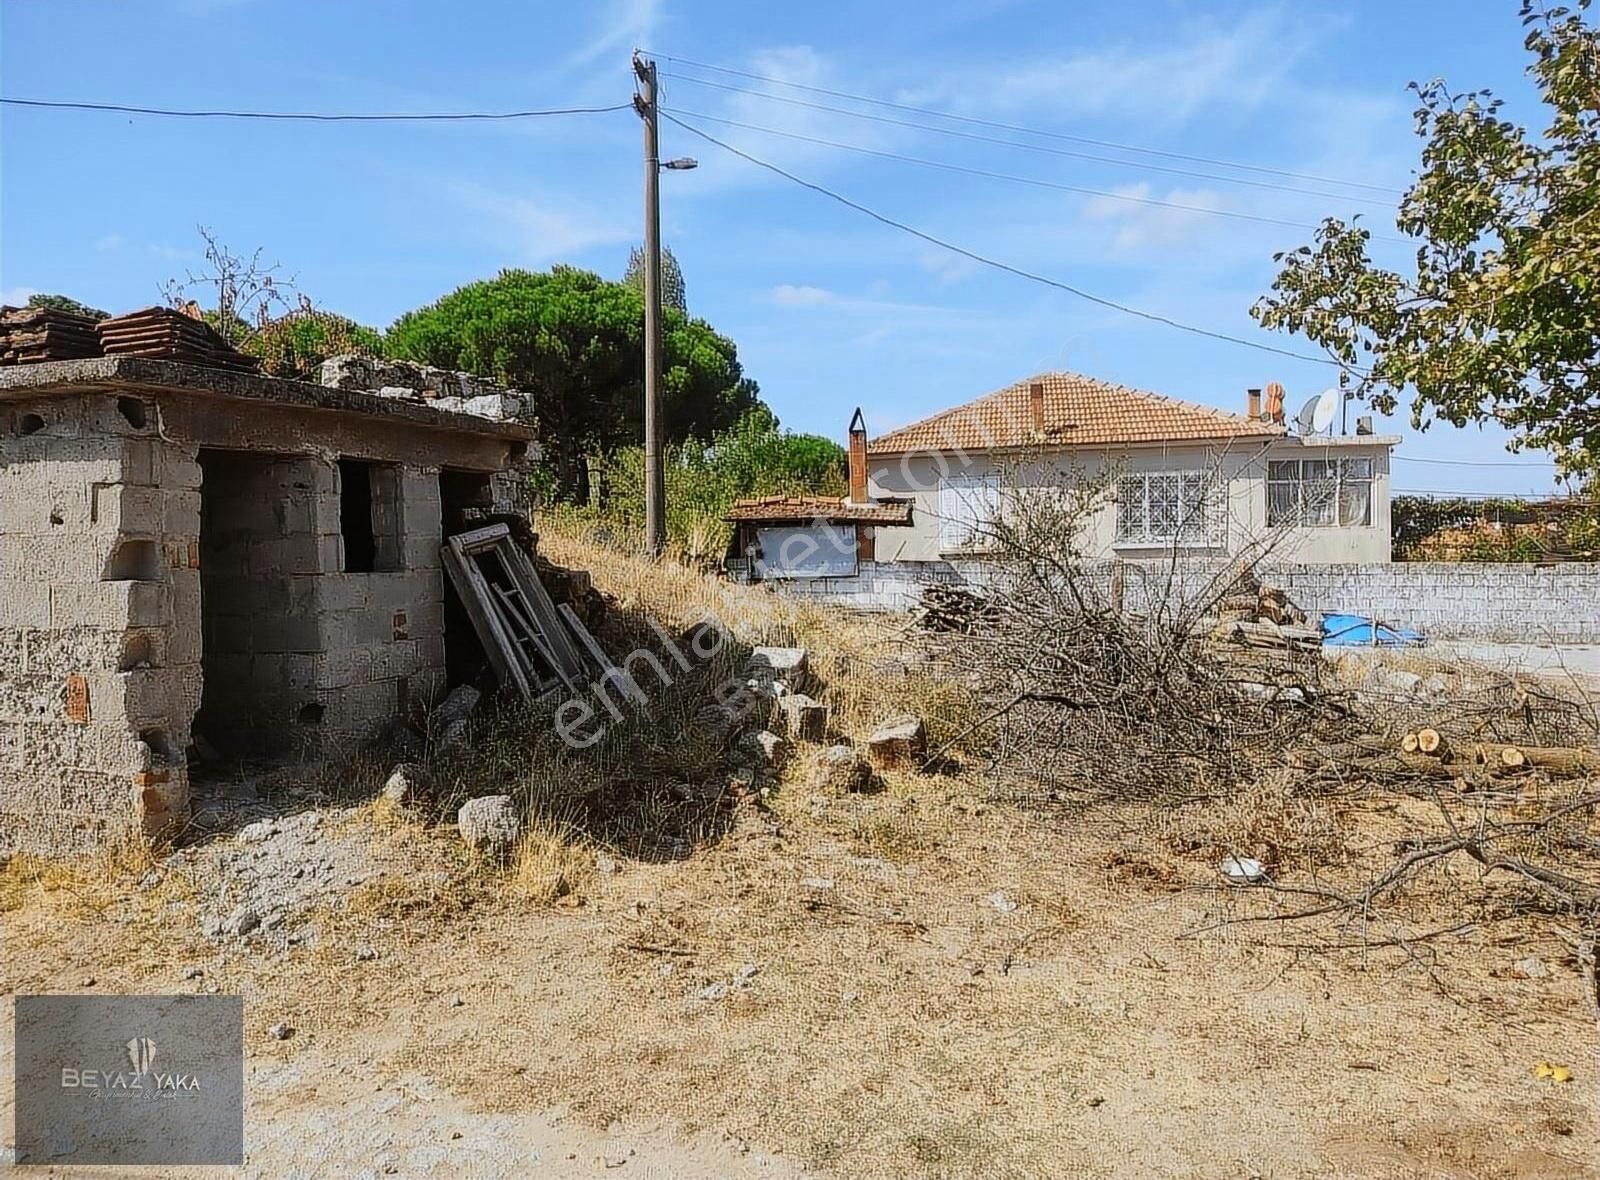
(166, 334)
(32, 334)
(949, 607)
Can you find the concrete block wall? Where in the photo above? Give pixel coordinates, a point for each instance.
(1492, 602)
(306, 658)
(90, 745)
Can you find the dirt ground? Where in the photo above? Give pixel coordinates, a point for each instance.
(917, 983)
(936, 980)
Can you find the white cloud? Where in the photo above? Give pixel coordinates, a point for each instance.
(109, 243)
(17, 296)
(948, 267)
(627, 24)
(1140, 226)
(789, 295)
(1241, 65)
(539, 229)
(798, 64)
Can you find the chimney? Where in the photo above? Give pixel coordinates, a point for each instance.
(858, 459)
(1274, 407)
(1036, 405)
(1252, 403)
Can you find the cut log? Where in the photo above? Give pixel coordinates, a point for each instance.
(1512, 758)
(1411, 743)
(1431, 741)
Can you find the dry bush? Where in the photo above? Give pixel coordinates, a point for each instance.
(1110, 682)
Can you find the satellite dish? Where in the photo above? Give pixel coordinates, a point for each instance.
(1327, 404)
(1307, 416)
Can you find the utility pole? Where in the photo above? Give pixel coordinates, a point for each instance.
(655, 488)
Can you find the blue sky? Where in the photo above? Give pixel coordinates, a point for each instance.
(829, 309)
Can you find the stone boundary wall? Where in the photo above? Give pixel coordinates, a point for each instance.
(1487, 601)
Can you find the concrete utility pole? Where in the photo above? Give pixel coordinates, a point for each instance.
(655, 488)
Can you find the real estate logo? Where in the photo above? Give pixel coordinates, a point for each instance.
(88, 1092)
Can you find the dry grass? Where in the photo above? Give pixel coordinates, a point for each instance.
(942, 986)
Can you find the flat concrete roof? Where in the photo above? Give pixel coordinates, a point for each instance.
(137, 374)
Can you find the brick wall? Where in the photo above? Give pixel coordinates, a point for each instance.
(1559, 603)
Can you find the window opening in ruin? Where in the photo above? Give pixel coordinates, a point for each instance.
(369, 516)
(132, 409)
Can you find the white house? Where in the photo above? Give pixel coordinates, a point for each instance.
(1184, 476)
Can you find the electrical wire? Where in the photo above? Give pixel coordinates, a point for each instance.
(309, 116)
(1030, 180)
(996, 124)
(992, 262)
(1546, 464)
(1034, 147)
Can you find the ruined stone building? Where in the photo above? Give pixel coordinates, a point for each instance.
(190, 553)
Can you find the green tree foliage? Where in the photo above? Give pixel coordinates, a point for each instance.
(575, 343)
(673, 293)
(1502, 528)
(295, 344)
(69, 305)
(1501, 320)
(753, 458)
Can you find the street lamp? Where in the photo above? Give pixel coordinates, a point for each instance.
(681, 164)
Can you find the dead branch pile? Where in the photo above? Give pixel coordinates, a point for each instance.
(1123, 681)
(1129, 686)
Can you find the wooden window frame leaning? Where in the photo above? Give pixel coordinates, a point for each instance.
(518, 623)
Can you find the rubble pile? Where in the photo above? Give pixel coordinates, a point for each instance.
(442, 389)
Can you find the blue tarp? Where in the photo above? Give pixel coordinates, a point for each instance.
(1357, 631)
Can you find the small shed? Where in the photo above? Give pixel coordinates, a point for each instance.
(189, 550)
(790, 537)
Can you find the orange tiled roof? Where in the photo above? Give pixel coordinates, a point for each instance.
(1078, 411)
(773, 509)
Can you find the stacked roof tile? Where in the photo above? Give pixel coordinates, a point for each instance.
(32, 334)
(170, 335)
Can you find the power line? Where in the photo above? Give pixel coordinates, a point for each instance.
(1035, 147)
(1126, 147)
(309, 116)
(1031, 180)
(1547, 463)
(986, 261)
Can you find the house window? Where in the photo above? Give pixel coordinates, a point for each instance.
(1163, 507)
(1319, 493)
(969, 505)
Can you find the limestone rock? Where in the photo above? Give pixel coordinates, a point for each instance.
(490, 824)
(901, 741)
(769, 667)
(409, 785)
(241, 922)
(805, 719)
(842, 770)
(448, 722)
(768, 749)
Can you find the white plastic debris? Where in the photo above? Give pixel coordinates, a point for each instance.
(1243, 870)
(1001, 902)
